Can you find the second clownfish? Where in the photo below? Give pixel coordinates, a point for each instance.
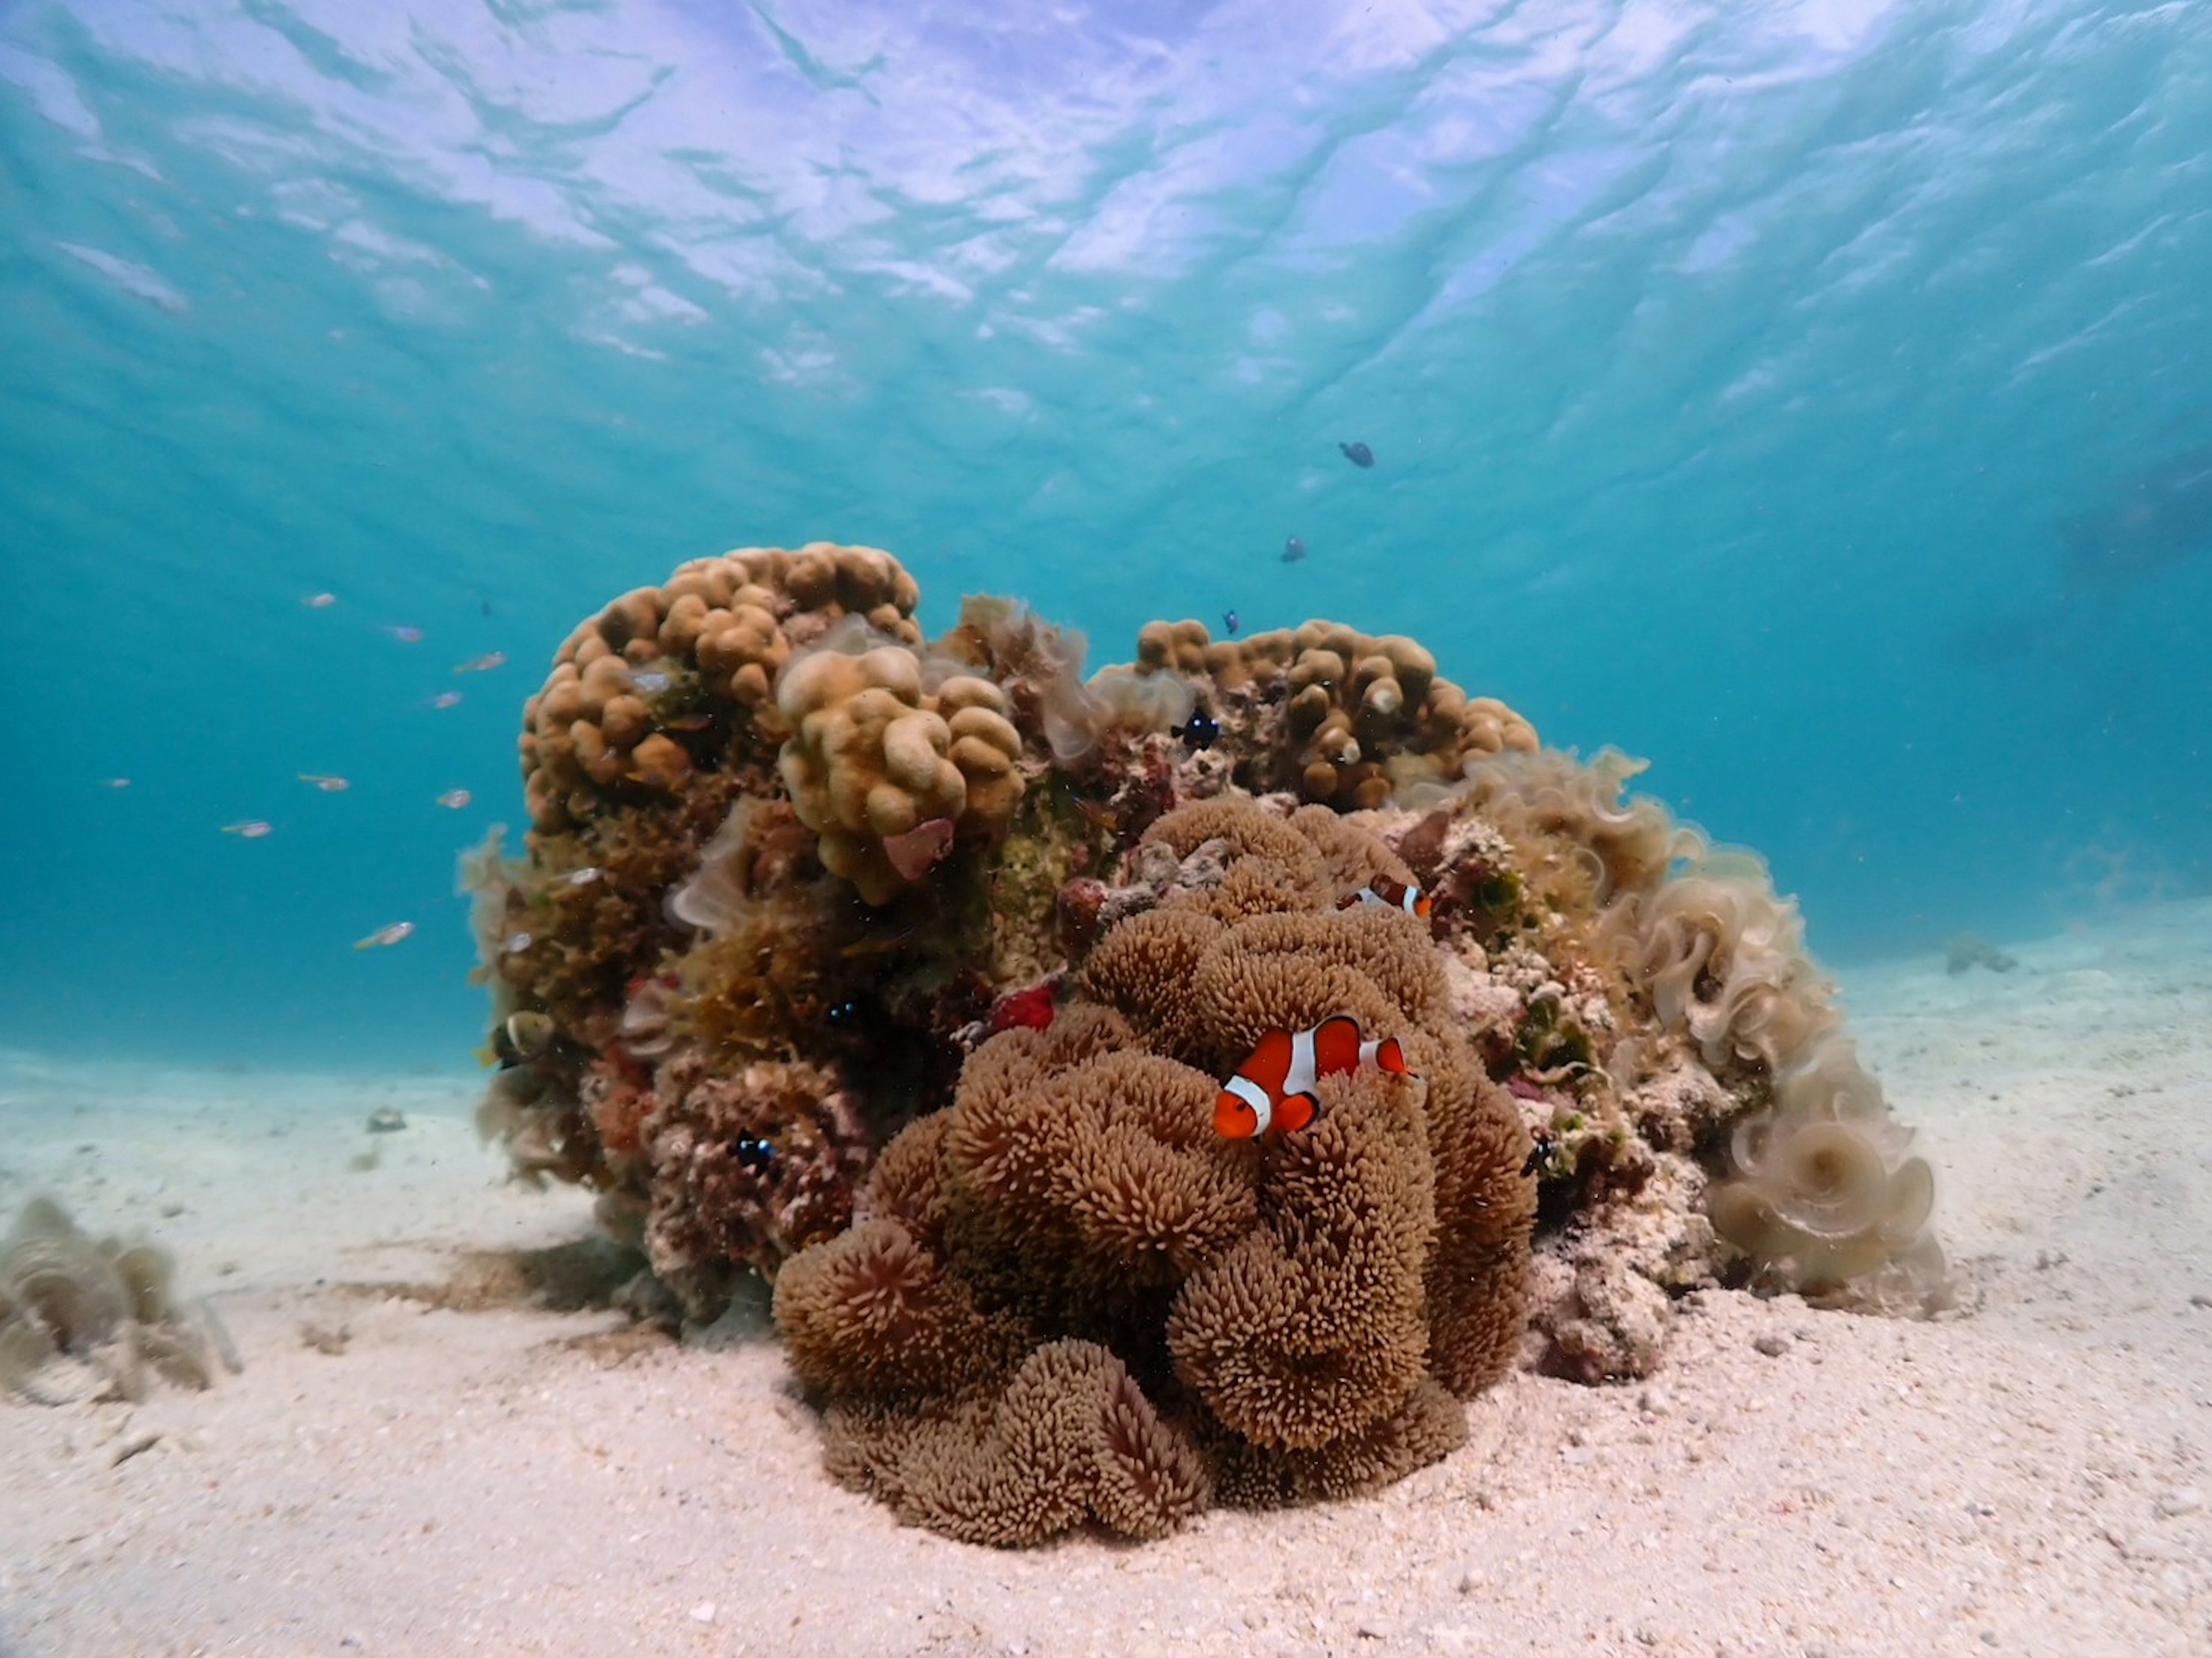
(1275, 1088)
(1391, 894)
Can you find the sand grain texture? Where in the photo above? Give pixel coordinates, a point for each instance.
(395, 1472)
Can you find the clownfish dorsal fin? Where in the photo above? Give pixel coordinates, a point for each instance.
(1270, 1061)
(1336, 1046)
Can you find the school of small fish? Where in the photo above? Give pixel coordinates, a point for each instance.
(456, 800)
(1273, 1090)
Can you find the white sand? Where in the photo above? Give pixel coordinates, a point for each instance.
(2029, 1477)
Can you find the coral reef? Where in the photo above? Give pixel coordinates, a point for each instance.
(903, 973)
(1275, 1322)
(98, 1302)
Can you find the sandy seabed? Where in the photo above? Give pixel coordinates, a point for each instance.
(421, 1456)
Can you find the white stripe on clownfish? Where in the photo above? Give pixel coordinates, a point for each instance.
(1276, 1086)
(1390, 895)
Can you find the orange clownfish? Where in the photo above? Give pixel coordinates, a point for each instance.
(1275, 1087)
(1391, 894)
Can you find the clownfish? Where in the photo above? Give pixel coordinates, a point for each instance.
(1275, 1087)
(1391, 894)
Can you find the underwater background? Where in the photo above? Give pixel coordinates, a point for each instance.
(1812, 399)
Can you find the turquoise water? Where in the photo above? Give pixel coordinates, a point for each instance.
(1814, 399)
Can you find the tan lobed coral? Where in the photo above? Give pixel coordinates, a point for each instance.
(1283, 1320)
(666, 677)
(1335, 716)
(890, 763)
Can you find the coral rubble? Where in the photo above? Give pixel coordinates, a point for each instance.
(903, 974)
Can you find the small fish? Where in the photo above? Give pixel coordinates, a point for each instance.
(454, 800)
(1200, 731)
(521, 1037)
(651, 681)
(1274, 1088)
(483, 664)
(1358, 454)
(688, 722)
(485, 607)
(515, 943)
(1099, 815)
(1540, 1154)
(445, 699)
(405, 635)
(1391, 894)
(881, 945)
(115, 782)
(386, 935)
(1230, 623)
(252, 830)
(581, 877)
(326, 783)
(319, 601)
(1293, 551)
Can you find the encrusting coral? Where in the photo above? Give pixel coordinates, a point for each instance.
(904, 973)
